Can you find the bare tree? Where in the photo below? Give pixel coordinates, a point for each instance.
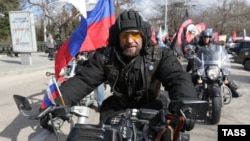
(223, 16)
(226, 17)
(60, 24)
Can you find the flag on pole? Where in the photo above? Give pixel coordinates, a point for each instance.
(191, 33)
(153, 38)
(215, 36)
(160, 37)
(92, 33)
(99, 20)
(200, 27)
(179, 40)
(244, 34)
(234, 36)
(53, 93)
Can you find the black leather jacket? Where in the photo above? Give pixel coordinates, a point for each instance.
(134, 82)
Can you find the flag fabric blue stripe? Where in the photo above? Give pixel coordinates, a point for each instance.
(100, 11)
(88, 35)
(53, 88)
(78, 37)
(47, 101)
(52, 93)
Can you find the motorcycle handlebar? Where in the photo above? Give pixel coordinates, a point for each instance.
(57, 111)
(42, 114)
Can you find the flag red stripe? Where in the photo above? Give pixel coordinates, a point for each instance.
(97, 35)
(181, 29)
(62, 58)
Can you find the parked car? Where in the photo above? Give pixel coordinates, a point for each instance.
(243, 58)
(243, 44)
(233, 44)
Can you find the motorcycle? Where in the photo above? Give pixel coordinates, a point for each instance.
(210, 75)
(129, 125)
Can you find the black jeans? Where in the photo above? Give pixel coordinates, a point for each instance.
(111, 106)
(51, 53)
(190, 65)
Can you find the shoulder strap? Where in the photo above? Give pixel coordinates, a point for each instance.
(153, 57)
(152, 61)
(108, 55)
(109, 68)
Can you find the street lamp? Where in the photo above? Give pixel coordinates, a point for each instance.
(44, 22)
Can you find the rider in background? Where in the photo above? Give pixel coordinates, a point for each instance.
(205, 40)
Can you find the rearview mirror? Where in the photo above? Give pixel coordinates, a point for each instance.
(22, 102)
(194, 109)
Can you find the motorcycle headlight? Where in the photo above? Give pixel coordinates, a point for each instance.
(226, 71)
(213, 73)
(200, 72)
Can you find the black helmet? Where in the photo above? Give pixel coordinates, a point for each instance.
(128, 19)
(206, 33)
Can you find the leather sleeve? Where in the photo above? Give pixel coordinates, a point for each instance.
(174, 79)
(85, 81)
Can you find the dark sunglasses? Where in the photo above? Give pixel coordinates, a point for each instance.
(207, 36)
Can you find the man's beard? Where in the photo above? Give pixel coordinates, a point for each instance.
(131, 54)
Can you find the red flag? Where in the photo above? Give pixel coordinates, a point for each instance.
(91, 34)
(234, 36)
(62, 59)
(200, 27)
(216, 36)
(191, 32)
(179, 39)
(52, 93)
(153, 35)
(99, 21)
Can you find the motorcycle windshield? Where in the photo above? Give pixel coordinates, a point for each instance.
(212, 55)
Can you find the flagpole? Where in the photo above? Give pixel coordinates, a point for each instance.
(166, 16)
(54, 81)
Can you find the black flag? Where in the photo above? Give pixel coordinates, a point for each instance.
(179, 40)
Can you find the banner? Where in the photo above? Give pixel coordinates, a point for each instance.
(179, 40)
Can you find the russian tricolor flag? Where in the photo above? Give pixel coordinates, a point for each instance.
(91, 34)
(52, 93)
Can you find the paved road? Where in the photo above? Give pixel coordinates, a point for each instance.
(236, 112)
(13, 65)
(30, 81)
